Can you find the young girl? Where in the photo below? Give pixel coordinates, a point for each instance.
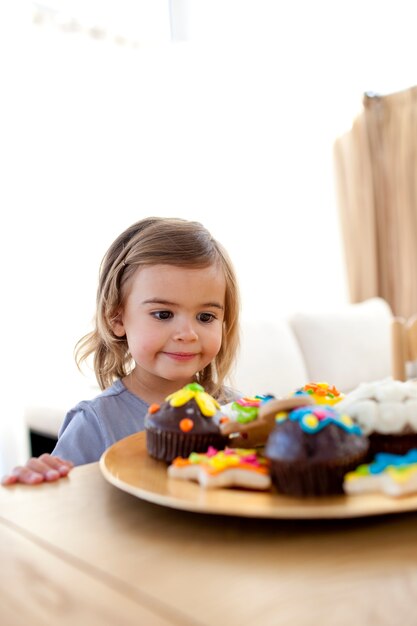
(167, 314)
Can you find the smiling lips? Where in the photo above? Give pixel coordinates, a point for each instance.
(181, 356)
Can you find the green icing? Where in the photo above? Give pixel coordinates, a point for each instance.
(362, 470)
(245, 414)
(194, 387)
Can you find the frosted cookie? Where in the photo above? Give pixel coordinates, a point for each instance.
(390, 474)
(224, 468)
(386, 411)
(255, 432)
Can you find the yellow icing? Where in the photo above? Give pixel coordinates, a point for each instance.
(403, 474)
(311, 420)
(281, 416)
(207, 405)
(346, 420)
(180, 397)
(222, 461)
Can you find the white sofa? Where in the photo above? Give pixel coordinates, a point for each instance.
(343, 347)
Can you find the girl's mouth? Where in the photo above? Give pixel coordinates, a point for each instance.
(181, 356)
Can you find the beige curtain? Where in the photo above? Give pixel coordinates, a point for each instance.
(376, 180)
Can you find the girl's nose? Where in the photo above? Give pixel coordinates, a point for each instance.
(186, 332)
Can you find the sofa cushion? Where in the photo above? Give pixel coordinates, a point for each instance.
(347, 346)
(270, 360)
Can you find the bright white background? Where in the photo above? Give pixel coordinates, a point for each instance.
(231, 122)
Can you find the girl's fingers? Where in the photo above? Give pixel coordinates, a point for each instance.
(9, 480)
(26, 475)
(45, 468)
(54, 462)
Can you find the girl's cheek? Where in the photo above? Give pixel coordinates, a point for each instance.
(148, 343)
(218, 343)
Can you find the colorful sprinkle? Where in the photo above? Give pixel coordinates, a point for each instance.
(186, 425)
(322, 393)
(219, 460)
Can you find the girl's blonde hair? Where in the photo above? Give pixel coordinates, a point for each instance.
(151, 241)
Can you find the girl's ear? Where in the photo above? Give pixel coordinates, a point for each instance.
(117, 325)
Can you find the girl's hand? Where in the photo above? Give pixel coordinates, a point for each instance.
(37, 470)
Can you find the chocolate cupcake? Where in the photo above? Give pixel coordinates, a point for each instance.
(182, 424)
(311, 449)
(386, 411)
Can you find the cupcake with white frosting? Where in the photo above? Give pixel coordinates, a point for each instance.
(386, 411)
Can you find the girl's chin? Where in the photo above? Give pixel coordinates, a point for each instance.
(179, 379)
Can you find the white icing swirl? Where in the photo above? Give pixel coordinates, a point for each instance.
(387, 406)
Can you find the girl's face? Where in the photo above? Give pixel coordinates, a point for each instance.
(172, 318)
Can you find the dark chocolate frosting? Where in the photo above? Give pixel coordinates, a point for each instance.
(289, 442)
(168, 418)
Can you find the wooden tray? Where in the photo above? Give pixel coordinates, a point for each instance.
(128, 466)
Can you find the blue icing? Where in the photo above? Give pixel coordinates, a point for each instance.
(265, 398)
(384, 460)
(325, 415)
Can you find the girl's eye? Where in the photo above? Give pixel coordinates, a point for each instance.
(162, 315)
(206, 317)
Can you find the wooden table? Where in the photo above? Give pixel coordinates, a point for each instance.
(80, 551)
